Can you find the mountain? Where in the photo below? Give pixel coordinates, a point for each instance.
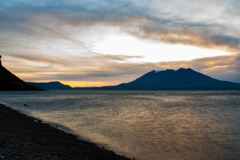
(181, 79)
(51, 85)
(10, 82)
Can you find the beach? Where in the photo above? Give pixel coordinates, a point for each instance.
(25, 137)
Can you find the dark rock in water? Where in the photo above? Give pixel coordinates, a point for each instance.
(10, 82)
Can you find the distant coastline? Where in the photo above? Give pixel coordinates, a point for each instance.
(181, 79)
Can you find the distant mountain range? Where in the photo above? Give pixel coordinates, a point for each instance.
(51, 85)
(181, 79)
(10, 82)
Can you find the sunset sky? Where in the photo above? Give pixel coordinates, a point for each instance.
(107, 42)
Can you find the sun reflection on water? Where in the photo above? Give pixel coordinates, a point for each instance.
(149, 125)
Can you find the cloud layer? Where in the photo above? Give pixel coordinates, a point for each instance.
(54, 39)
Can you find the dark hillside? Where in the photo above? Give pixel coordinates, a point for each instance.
(10, 82)
(181, 79)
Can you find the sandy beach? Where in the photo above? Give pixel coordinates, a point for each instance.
(24, 137)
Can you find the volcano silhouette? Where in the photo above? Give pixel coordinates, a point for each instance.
(181, 79)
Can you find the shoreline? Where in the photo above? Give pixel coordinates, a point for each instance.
(26, 137)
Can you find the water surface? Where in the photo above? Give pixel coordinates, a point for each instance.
(147, 125)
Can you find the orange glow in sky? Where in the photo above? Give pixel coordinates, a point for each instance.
(96, 43)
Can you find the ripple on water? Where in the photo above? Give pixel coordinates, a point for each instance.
(184, 125)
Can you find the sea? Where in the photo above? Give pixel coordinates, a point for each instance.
(146, 125)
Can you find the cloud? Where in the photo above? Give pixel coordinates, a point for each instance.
(176, 22)
(205, 36)
(112, 72)
(54, 39)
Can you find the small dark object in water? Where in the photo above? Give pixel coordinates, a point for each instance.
(26, 105)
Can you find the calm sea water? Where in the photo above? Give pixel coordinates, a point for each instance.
(147, 125)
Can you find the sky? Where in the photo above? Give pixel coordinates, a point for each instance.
(98, 43)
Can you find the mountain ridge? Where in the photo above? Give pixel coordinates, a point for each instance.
(181, 79)
(55, 85)
(10, 82)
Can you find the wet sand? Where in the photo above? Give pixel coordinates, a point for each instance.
(25, 137)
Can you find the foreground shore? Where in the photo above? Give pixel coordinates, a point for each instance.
(24, 137)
